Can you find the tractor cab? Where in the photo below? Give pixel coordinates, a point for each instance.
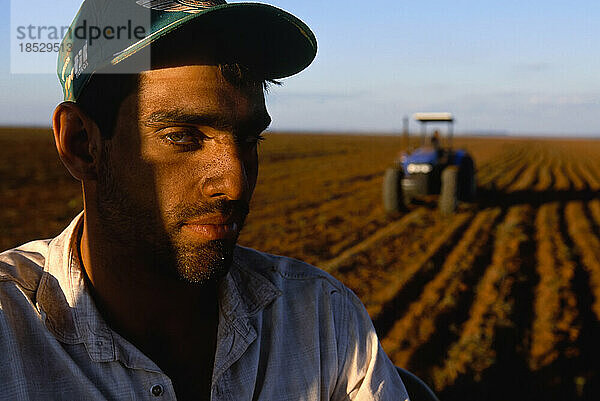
(432, 150)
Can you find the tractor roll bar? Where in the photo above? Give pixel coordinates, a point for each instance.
(425, 118)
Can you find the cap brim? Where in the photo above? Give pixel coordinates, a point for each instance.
(259, 36)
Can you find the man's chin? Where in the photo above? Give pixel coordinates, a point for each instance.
(205, 263)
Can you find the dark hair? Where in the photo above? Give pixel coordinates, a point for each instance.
(103, 95)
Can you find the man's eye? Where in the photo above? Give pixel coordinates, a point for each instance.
(180, 138)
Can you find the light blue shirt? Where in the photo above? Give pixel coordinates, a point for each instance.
(287, 331)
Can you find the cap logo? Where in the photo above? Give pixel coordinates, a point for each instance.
(188, 6)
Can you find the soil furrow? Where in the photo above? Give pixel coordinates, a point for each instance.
(398, 293)
(577, 378)
(395, 228)
(509, 175)
(442, 294)
(555, 305)
(491, 171)
(493, 333)
(587, 245)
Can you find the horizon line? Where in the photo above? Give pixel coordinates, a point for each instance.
(466, 133)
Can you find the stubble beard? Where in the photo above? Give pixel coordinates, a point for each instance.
(135, 227)
(209, 261)
(202, 264)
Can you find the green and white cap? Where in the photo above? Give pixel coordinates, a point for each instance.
(104, 33)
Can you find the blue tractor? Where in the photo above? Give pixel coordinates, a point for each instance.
(432, 169)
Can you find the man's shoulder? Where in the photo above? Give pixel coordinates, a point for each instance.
(281, 269)
(304, 291)
(24, 265)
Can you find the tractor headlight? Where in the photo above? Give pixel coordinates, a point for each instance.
(419, 168)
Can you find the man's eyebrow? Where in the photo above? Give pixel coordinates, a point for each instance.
(163, 117)
(259, 121)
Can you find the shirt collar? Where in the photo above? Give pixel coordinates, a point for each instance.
(72, 315)
(244, 292)
(70, 310)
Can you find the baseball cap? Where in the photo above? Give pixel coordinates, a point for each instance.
(105, 33)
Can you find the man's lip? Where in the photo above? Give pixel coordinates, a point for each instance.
(212, 228)
(211, 220)
(212, 231)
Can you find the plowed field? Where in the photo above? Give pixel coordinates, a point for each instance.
(500, 301)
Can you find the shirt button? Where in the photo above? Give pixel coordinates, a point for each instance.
(157, 390)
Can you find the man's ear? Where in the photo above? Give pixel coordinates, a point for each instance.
(77, 139)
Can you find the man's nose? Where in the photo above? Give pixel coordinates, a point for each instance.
(227, 174)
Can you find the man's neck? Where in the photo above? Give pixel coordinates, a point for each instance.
(171, 321)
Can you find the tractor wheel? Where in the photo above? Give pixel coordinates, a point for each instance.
(407, 198)
(467, 185)
(393, 200)
(448, 194)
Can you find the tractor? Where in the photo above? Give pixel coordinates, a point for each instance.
(433, 169)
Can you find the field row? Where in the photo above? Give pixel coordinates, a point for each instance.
(508, 284)
(499, 301)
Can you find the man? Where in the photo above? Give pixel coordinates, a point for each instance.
(145, 294)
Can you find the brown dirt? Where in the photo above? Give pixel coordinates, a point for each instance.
(500, 301)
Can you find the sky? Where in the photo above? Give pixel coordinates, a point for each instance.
(514, 67)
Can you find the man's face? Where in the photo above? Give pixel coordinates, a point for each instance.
(176, 179)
